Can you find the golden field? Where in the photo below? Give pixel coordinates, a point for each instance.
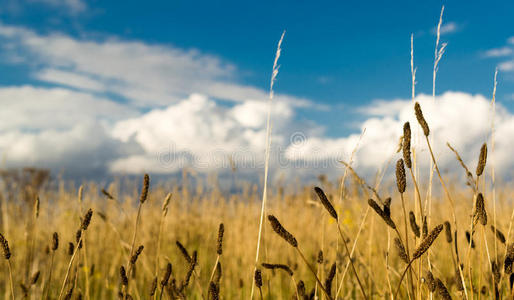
(32, 212)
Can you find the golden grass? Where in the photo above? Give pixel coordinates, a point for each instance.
(194, 218)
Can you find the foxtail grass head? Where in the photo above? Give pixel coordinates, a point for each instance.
(87, 219)
(281, 231)
(401, 180)
(5, 247)
(167, 274)
(421, 119)
(144, 190)
(123, 276)
(448, 231)
(406, 145)
(480, 212)
(482, 160)
(413, 224)
(499, 235)
(136, 254)
(401, 250)
(257, 278)
(283, 267)
(387, 218)
(427, 242)
(221, 231)
(326, 203)
(55, 241)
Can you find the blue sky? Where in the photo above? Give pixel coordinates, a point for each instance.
(340, 57)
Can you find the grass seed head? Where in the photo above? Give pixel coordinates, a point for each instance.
(387, 219)
(144, 190)
(469, 239)
(499, 235)
(401, 180)
(107, 194)
(326, 203)
(320, 257)
(166, 276)
(300, 287)
(183, 250)
(213, 291)
(330, 279)
(55, 241)
(458, 280)
(78, 238)
(387, 206)
(283, 267)
(480, 212)
(5, 246)
(401, 250)
(71, 248)
(421, 119)
(425, 228)
(136, 254)
(406, 145)
(281, 231)
(153, 287)
(87, 219)
(427, 242)
(430, 281)
(482, 160)
(496, 271)
(509, 259)
(441, 290)
(123, 276)
(257, 277)
(69, 294)
(448, 231)
(413, 225)
(221, 231)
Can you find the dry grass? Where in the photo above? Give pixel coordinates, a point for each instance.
(194, 218)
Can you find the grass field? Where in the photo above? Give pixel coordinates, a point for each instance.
(32, 212)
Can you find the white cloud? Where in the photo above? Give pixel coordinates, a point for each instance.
(70, 79)
(506, 53)
(506, 66)
(499, 52)
(146, 75)
(73, 6)
(63, 129)
(33, 109)
(447, 28)
(462, 119)
(200, 133)
(166, 106)
(168, 116)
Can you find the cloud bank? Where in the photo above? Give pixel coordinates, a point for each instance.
(127, 107)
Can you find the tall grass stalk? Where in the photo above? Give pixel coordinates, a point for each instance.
(267, 154)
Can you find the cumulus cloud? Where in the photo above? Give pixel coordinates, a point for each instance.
(201, 134)
(461, 119)
(64, 129)
(167, 115)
